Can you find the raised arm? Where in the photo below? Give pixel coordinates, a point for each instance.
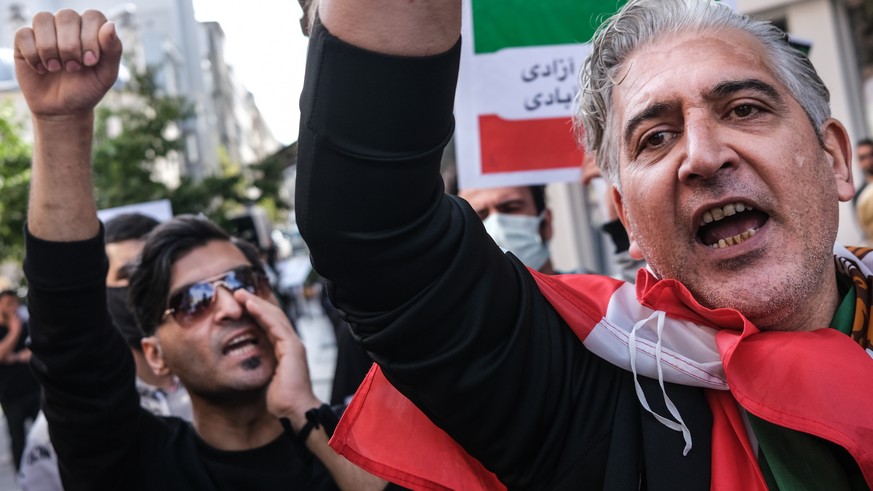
(65, 63)
(413, 269)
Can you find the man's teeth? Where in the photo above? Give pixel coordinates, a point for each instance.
(736, 239)
(242, 350)
(241, 345)
(717, 214)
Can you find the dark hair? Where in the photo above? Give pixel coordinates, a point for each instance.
(864, 141)
(128, 226)
(539, 197)
(9, 293)
(150, 283)
(249, 251)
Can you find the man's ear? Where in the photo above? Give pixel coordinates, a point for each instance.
(151, 349)
(838, 148)
(634, 250)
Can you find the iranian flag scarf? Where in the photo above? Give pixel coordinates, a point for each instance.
(803, 390)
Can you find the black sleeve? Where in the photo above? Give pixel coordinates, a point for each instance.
(459, 327)
(83, 364)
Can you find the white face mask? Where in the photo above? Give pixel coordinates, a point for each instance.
(520, 235)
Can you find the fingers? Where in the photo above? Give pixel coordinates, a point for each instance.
(66, 41)
(68, 32)
(93, 22)
(25, 49)
(268, 315)
(108, 50)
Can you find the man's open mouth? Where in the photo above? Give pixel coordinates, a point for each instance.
(729, 225)
(240, 345)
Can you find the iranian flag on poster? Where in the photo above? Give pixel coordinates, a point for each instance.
(517, 89)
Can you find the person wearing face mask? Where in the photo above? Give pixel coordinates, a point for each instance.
(517, 219)
(162, 395)
(125, 238)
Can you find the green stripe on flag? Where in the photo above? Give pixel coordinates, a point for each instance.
(499, 24)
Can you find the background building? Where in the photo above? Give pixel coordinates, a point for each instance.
(189, 60)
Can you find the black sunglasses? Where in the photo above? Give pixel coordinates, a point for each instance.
(193, 302)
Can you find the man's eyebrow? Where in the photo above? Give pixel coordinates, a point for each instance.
(650, 112)
(731, 87)
(511, 201)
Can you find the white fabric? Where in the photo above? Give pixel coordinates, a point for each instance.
(632, 351)
(684, 352)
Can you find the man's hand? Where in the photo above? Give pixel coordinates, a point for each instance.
(290, 392)
(66, 62)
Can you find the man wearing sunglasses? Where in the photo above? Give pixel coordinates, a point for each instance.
(210, 317)
(125, 236)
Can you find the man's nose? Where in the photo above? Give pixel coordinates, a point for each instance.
(226, 306)
(706, 150)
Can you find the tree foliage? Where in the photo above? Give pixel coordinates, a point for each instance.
(131, 135)
(14, 181)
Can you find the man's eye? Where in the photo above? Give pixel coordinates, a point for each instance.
(655, 139)
(745, 110)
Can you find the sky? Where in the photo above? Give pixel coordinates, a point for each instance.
(267, 51)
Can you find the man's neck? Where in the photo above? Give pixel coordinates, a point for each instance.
(815, 311)
(234, 427)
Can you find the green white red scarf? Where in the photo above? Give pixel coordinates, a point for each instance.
(798, 392)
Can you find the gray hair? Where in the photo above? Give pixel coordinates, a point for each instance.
(642, 22)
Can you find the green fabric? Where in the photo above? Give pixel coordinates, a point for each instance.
(500, 24)
(844, 317)
(795, 461)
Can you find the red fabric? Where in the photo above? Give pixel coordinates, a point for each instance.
(383, 433)
(792, 379)
(383, 447)
(799, 388)
(734, 464)
(580, 313)
(816, 382)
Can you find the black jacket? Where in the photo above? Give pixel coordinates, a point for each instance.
(460, 328)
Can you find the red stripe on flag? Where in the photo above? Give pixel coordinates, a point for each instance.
(527, 145)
